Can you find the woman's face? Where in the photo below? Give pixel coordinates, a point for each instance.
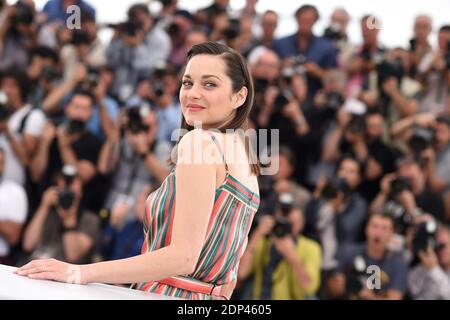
(206, 93)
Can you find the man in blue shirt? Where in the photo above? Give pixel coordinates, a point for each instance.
(358, 265)
(317, 53)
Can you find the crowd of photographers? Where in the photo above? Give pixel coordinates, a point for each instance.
(360, 205)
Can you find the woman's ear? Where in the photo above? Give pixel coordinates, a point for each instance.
(240, 97)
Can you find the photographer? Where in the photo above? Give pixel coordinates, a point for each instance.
(321, 118)
(285, 264)
(419, 44)
(17, 35)
(337, 213)
(43, 73)
(135, 158)
(438, 172)
(161, 91)
(336, 32)
(13, 213)
(397, 92)
(433, 72)
(430, 280)
(350, 280)
(315, 54)
(62, 228)
(136, 48)
(363, 61)
(123, 236)
(70, 143)
(84, 47)
(96, 82)
(407, 187)
(21, 125)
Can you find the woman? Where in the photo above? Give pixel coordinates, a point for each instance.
(192, 249)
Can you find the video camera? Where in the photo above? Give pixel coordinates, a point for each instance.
(356, 276)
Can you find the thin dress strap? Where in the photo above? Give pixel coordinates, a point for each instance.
(220, 150)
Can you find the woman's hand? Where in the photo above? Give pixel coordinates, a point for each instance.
(52, 269)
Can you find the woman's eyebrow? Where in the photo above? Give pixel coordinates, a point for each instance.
(204, 76)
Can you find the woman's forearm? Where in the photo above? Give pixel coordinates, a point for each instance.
(155, 265)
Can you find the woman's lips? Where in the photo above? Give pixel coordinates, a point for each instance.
(194, 108)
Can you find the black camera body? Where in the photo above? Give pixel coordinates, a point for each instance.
(387, 69)
(334, 186)
(75, 126)
(333, 32)
(282, 226)
(356, 276)
(135, 116)
(5, 111)
(334, 101)
(66, 198)
(425, 237)
(23, 14)
(400, 184)
(357, 124)
(421, 139)
(402, 220)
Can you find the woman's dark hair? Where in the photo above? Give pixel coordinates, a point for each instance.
(237, 71)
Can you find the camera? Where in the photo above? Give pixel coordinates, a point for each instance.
(233, 29)
(158, 88)
(66, 196)
(334, 186)
(402, 220)
(357, 124)
(366, 54)
(421, 139)
(5, 111)
(412, 45)
(49, 73)
(400, 184)
(23, 14)
(334, 100)
(75, 126)
(356, 277)
(79, 37)
(135, 118)
(387, 69)
(282, 226)
(424, 237)
(333, 32)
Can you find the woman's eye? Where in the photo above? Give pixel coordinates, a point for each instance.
(186, 83)
(210, 84)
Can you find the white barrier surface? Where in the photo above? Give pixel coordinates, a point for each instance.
(15, 287)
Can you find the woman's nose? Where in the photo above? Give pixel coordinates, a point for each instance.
(194, 93)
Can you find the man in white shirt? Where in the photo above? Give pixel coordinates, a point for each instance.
(20, 137)
(13, 211)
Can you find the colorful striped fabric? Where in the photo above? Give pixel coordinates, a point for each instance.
(226, 238)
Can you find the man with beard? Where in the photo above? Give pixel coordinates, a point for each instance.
(71, 143)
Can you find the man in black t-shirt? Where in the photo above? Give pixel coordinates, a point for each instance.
(70, 144)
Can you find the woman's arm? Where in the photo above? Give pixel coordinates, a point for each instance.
(192, 214)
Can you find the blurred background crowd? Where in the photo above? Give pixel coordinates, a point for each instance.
(360, 205)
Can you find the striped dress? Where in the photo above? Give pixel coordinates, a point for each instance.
(226, 237)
